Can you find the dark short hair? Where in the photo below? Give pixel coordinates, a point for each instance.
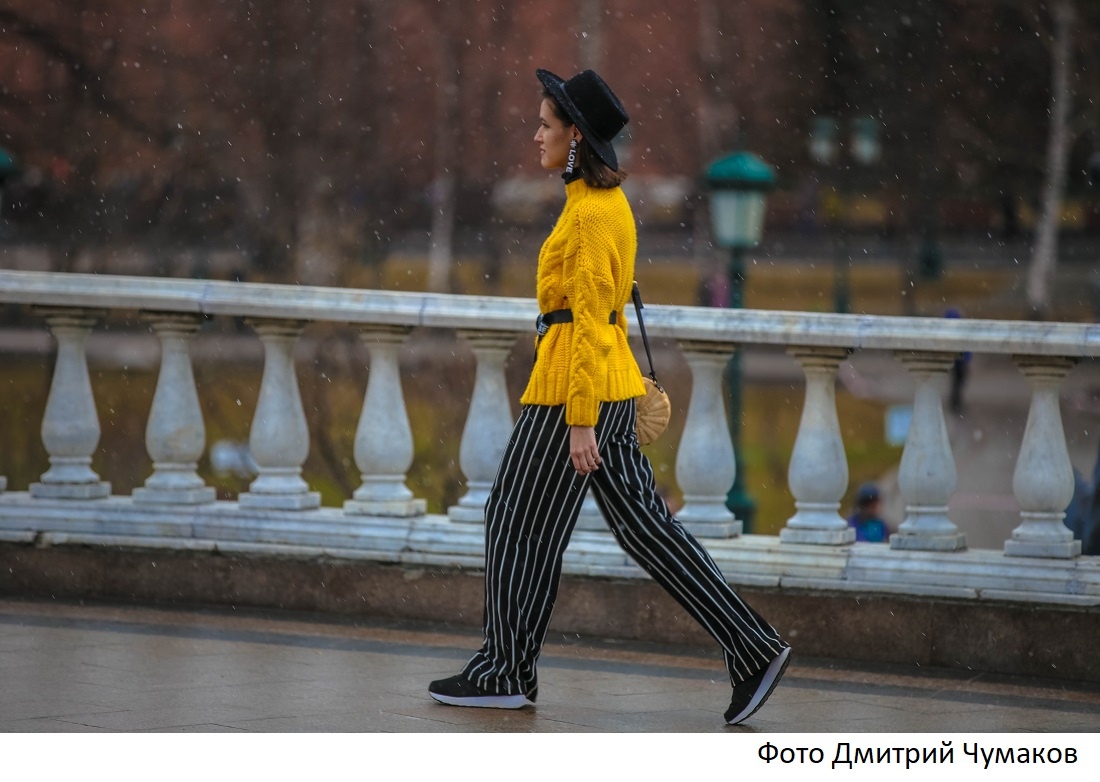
(867, 494)
(594, 171)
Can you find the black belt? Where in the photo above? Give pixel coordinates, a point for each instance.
(547, 319)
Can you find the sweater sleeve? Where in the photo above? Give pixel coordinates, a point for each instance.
(592, 298)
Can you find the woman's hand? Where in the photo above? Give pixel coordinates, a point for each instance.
(583, 450)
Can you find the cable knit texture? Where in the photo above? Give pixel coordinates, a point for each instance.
(586, 265)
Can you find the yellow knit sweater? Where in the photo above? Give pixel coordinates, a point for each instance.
(586, 265)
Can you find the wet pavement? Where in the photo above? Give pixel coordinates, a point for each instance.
(108, 668)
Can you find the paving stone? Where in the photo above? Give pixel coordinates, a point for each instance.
(88, 668)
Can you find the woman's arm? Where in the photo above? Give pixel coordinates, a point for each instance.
(590, 285)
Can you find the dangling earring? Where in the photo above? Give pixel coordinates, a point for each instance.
(571, 162)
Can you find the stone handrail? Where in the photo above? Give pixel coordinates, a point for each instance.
(384, 520)
(299, 302)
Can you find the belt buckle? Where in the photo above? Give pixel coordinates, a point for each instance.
(541, 326)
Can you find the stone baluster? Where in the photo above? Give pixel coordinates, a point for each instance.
(818, 472)
(705, 466)
(175, 436)
(279, 439)
(70, 426)
(591, 517)
(1043, 480)
(383, 439)
(927, 476)
(488, 425)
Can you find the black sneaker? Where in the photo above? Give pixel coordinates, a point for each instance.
(460, 691)
(749, 695)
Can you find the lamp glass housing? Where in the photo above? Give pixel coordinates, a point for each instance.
(737, 217)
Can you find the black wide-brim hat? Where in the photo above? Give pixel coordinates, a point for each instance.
(592, 107)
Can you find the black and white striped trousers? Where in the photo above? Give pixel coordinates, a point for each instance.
(531, 511)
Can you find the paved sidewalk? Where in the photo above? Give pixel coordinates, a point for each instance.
(92, 668)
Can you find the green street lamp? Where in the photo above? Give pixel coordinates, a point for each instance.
(829, 147)
(9, 169)
(738, 186)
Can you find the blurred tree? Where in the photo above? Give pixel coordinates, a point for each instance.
(312, 135)
(301, 99)
(591, 46)
(67, 94)
(717, 124)
(957, 87)
(449, 16)
(199, 105)
(1044, 253)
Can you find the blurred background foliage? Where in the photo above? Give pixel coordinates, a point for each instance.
(303, 141)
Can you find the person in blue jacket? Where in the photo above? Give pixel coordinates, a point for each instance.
(865, 519)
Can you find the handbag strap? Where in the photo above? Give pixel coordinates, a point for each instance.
(636, 295)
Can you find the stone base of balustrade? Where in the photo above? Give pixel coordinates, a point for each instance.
(434, 539)
(899, 541)
(71, 491)
(301, 501)
(462, 514)
(399, 508)
(819, 537)
(198, 496)
(817, 523)
(114, 515)
(708, 517)
(711, 530)
(1067, 549)
(591, 520)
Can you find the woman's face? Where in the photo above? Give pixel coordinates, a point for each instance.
(553, 138)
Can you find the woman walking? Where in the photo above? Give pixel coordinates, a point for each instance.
(576, 432)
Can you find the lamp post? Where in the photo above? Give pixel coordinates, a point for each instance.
(738, 186)
(862, 148)
(9, 169)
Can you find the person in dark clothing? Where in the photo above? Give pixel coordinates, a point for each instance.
(865, 519)
(1083, 512)
(959, 370)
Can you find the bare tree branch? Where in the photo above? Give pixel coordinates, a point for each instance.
(83, 73)
(1044, 255)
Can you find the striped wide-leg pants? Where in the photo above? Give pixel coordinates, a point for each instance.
(532, 509)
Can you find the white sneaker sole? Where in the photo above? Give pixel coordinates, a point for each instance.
(484, 701)
(767, 684)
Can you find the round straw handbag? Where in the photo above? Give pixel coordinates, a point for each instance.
(654, 409)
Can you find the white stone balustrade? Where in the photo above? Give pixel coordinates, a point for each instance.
(590, 517)
(927, 476)
(279, 513)
(488, 424)
(70, 426)
(818, 472)
(705, 461)
(383, 439)
(175, 435)
(1043, 480)
(279, 438)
